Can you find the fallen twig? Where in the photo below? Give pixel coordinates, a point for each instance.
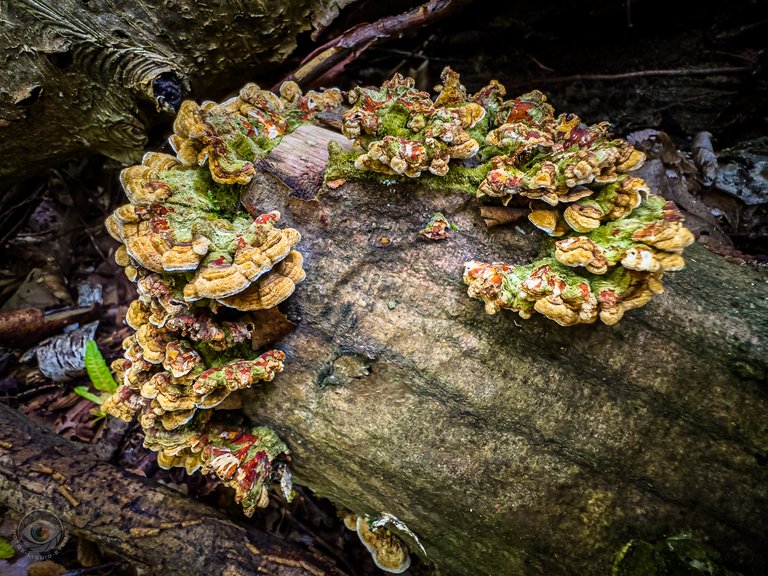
(330, 58)
(115, 505)
(642, 74)
(22, 328)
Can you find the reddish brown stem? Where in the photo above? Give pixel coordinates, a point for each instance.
(330, 58)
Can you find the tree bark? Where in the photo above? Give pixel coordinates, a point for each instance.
(150, 525)
(508, 446)
(94, 76)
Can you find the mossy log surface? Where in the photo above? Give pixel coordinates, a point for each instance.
(94, 76)
(152, 526)
(509, 446)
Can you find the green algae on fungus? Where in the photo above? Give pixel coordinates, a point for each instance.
(197, 225)
(229, 136)
(203, 265)
(244, 460)
(560, 293)
(402, 131)
(174, 373)
(171, 379)
(650, 239)
(575, 177)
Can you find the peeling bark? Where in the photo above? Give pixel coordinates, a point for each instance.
(148, 524)
(508, 446)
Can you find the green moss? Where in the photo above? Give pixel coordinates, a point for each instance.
(393, 123)
(341, 164)
(196, 189)
(459, 178)
(215, 358)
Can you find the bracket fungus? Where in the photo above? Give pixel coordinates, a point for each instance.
(388, 551)
(437, 228)
(204, 270)
(404, 132)
(615, 237)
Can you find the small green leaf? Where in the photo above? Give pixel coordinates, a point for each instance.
(88, 395)
(6, 550)
(97, 369)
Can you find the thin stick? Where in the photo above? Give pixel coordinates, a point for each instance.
(643, 74)
(331, 57)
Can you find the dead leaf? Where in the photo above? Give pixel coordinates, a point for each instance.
(723, 205)
(498, 215)
(704, 157)
(272, 324)
(743, 172)
(40, 289)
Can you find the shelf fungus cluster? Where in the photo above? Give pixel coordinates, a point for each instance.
(613, 239)
(208, 276)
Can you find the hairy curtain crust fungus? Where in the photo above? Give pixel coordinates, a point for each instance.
(229, 136)
(437, 228)
(174, 375)
(241, 459)
(207, 273)
(404, 132)
(559, 293)
(615, 238)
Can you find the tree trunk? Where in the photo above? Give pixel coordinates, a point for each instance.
(152, 526)
(94, 76)
(508, 446)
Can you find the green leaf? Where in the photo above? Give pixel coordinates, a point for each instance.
(6, 550)
(97, 369)
(88, 395)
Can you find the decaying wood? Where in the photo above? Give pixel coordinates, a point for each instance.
(508, 446)
(30, 325)
(146, 523)
(94, 76)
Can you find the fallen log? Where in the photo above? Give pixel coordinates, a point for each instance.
(148, 524)
(511, 446)
(84, 77)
